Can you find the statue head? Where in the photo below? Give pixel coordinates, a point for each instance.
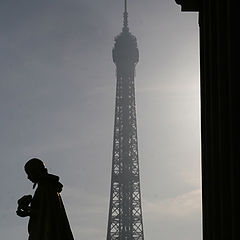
(35, 169)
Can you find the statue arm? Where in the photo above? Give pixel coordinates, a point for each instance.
(24, 209)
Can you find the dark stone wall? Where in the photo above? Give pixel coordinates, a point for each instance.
(219, 107)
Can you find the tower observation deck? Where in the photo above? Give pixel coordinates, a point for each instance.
(125, 211)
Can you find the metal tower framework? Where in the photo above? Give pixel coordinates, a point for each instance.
(125, 211)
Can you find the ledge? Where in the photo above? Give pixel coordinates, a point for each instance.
(189, 5)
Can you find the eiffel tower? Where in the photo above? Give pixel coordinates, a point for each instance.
(125, 211)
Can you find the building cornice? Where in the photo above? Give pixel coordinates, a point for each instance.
(189, 5)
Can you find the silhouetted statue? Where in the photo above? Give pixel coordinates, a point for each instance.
(48, 219)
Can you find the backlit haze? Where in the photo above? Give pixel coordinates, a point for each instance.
(57, 96)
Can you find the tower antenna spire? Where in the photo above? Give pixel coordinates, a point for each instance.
(125, 16)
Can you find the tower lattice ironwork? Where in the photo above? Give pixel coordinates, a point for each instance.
(125, 211)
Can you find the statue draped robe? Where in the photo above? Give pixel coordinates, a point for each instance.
(48, 219)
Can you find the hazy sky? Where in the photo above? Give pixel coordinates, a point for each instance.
(57, 91)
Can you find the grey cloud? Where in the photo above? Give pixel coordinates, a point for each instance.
(57, 93)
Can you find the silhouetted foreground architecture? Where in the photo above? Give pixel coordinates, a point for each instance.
(125, 212)
(48, 219)
(220, 161)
